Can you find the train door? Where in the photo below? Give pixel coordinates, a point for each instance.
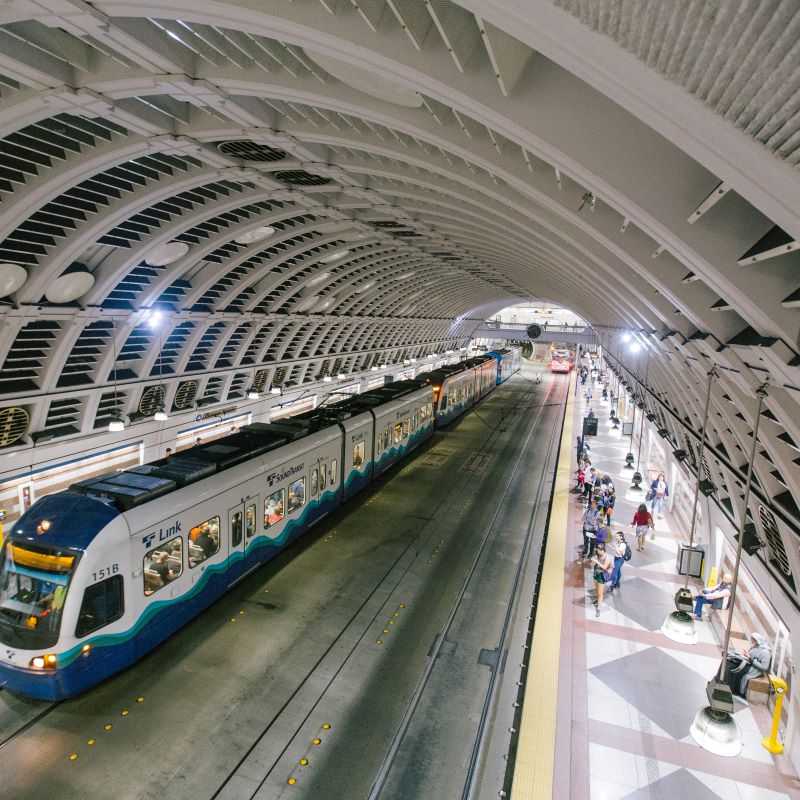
(242, 527)
(324, 488)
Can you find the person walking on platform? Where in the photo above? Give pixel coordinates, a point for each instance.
(590, 521)
(602, 574)
(642, 523)
(658, 491)
(619, 549)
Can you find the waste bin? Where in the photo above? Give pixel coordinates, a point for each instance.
(590, 426)
(690, 559)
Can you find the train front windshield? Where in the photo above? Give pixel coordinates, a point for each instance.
(33, 587)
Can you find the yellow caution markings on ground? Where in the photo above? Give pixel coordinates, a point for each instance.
(533, 769)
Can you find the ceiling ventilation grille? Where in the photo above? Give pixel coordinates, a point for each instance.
(251, 151)
(299, 177)
(777, 552)
(152, 398)
(260, 380)
(13, 425)
(185, 395)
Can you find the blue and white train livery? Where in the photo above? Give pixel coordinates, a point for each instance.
(94, 577)
(508, 362)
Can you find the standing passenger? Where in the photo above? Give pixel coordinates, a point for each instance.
(619, 548)
(602, 574)
(590, 521)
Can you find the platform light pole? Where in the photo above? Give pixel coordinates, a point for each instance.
(679, 625)
(636, 478)
(713, 727)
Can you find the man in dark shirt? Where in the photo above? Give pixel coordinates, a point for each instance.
(159, 565)
(205, 541)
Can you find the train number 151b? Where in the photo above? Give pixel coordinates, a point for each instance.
(105, 572)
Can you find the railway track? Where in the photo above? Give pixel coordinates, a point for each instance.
(230, 788)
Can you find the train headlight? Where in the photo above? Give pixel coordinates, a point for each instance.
(44, 662)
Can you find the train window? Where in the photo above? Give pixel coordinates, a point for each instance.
(405, 428)
(297, 495)
(236, 529)
(386, 439)
(322, 481)
(358, 454)
(162, 565)
(250, 521)
(204, 539)
(398, 433)
(273, 509)
(443, 403)
(102, 604)
(314, 482)
(333, 471)
(430, 410)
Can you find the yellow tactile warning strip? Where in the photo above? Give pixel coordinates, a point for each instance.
(533, 769)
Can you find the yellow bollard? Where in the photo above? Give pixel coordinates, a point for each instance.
(780, 686)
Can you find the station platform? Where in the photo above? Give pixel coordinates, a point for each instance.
(619, 694)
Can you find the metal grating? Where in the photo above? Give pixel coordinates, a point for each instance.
(152, 398)
(298, 177)
(251, 151)
(184, 396)
(14, 423)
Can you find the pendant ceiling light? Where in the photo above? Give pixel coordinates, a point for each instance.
(69, 286)
(679, 625)
(154, 321)
(167, 253)
(116, 423)
(255, 235)
(12, 278)
(329, 259)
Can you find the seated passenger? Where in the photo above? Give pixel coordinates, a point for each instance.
(275, 513)
(206, 542)
(161, 568)
(294, 501)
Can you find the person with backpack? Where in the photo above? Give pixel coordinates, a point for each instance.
(621, 551)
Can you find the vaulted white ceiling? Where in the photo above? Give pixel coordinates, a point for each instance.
(423, 163)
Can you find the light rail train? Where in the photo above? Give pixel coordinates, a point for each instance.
(94, 577)
(508, 361)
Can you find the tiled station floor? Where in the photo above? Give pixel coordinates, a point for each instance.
(627, 694)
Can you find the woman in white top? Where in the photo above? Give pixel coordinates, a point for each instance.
(660, 490)
(603, 567)
(619, 547)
